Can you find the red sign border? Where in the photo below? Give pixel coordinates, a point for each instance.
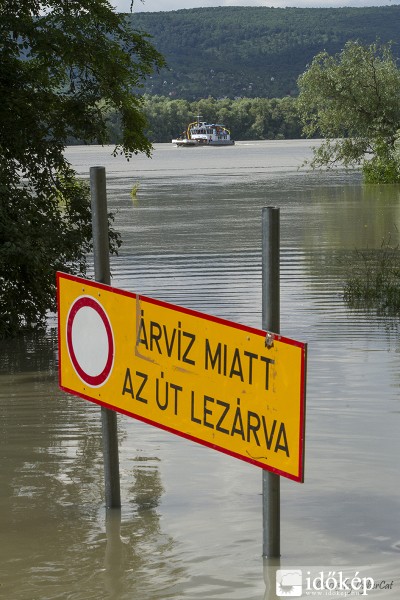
(101, 378)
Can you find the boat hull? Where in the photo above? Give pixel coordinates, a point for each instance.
(185, 143)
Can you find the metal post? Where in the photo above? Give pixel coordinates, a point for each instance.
(101, 253)
(271, 322)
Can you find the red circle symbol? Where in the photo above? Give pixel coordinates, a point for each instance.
(90, 341)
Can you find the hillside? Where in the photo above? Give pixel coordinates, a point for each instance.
(253, 52)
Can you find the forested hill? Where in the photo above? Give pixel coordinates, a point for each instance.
(253, 52)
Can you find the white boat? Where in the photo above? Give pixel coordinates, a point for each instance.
(200, 133)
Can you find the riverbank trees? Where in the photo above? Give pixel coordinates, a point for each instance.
(352, 99)
(247, 118)
(63, 67)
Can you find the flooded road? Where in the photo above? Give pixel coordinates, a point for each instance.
(191, 523)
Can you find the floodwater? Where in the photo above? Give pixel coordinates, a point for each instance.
(190, 526)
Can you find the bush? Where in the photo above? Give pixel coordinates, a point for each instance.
(374, 279)
(384, 167)
(40, 233)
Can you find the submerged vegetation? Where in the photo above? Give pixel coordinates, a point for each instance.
(373, 279)
(134, 190)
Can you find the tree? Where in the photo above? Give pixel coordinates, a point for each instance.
(352, 99)
(63, 67)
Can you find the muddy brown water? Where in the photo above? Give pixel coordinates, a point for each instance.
(190, 525)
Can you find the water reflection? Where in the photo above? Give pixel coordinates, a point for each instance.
(136, 547)
(270, 568)
(52, 497)
(31, 353)
(354, 216)
(114, 561)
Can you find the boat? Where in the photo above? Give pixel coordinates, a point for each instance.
(200, 133)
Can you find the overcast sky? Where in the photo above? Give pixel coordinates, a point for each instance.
(165, 5)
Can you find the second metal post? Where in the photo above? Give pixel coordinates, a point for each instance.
(271, 322)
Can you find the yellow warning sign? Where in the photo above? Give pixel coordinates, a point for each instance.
(225, 385)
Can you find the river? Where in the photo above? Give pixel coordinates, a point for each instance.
(191, 523)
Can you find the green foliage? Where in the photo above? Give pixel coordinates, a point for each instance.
(40, 233)
(384, 166)
(63, 67)
(373, 280)
(253, 51)
(247, 118)
(352, 100)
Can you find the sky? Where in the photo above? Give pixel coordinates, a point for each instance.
(165, 5)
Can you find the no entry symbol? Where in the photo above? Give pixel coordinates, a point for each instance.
(90, 341)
